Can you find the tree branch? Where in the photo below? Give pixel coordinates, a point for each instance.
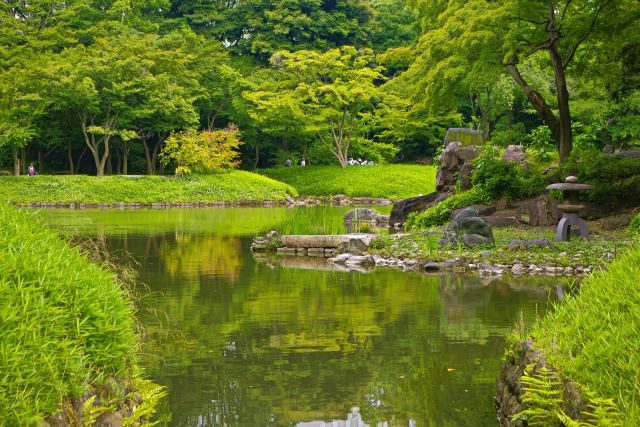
(578, 42)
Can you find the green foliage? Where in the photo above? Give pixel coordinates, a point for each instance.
(440, 213)
(230, 187)
(202, 152)
(541, 143)
(66, 322)
(593, 337)
(634, 226)
(385, 181)
(617, 178)
(515, 135)
(496, 177)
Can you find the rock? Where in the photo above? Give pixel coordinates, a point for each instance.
(464, 176)
(403, 208)
(518, 269)
(466, 154)
(501, 204)
(483, 210)
(353, 246)
(631, 154)
(361, 214)
(289, 199)
(540, 243)
(360, 260)
(485, 268)
(502, 221)
(341, 199)
(616, 222)
(382, 219)
(517, 244)
(608, 149)
(525, 165)
(269, 241)
(468, 223)
(445, 179)
(448, 158)
(543, 210)
(340, 259)
(514, 153)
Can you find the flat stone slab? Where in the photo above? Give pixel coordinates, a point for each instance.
(324, 241)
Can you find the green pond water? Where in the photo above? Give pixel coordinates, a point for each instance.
(240, 341)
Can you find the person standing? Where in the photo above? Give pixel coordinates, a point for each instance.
(303, 163)
(32, 170)
(287, 164)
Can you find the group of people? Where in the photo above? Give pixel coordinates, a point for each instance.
(359, 162)
(287, 163)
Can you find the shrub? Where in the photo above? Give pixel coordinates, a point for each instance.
(497, 178)
(439, 214)
(634, 226)
(617, 178)
(202, 152)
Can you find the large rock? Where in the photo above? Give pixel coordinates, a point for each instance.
(402, 208)
(270, 241)
(543, 210)
(631, 154)
(469, 229)
(616, 222)
(466, 154)
(445, 179)
(353, 246)
(361, 214)
(448, 158)
(483, 210)
(514, 154)
(464, 176)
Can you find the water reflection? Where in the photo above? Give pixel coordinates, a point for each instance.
(240, 342)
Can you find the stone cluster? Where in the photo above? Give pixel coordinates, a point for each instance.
(455, 165)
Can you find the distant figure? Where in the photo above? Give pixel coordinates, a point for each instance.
(364, 162)
(287, 164)
(32, 170)
(350, 162)
(303, 163)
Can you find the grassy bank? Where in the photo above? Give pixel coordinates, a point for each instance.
(594, 338)
(382, 181)
(234, 186)
(65, 323)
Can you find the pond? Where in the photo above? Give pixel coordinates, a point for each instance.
(240, 341)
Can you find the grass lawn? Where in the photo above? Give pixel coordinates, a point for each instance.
(383, 181)
(229, 187)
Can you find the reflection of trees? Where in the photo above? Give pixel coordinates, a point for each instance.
(192, 256)
(274, 346)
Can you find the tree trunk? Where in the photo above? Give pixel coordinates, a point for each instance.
(116, 154)
(126, 146)
(565, 142)
(70, 158)
(108, 164)
(23, 160)
(255, 164)
(40, 162)
(16, 161)
(151, 167)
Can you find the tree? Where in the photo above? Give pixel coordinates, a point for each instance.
(470, 40)
(321, 93)
(202, 152)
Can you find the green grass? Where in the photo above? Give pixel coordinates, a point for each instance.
(381, 181)
(594, 338)
(440, 213)
(234, 186)
(64, 322)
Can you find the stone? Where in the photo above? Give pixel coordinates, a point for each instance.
(448, 158)
(502, 221)
(525, 165)
(464, 176)
(514, 153)
(616, 222)
(318, 252)
(517, 244)
(353, 246)
(469, 223)
(466, 154)
(501, 204)
(289, 199)
(361, 214)
(382, 219)
(518, 269)
(402, 208)
(540, 243)
(483, 210)
(360, 260)
(269, 241)
(630, 154)
(445, 179)
(608, 149)
(340, 259)
(541, 211)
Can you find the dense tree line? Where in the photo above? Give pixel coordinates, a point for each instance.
(97, 86)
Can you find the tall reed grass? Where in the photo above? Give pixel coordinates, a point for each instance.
(64, 322)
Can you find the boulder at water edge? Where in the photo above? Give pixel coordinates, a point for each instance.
(469, 229)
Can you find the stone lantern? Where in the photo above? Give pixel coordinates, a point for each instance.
(570, 208)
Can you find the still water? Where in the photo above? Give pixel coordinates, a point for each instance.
(240, 341)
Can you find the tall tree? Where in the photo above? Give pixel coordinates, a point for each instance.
(466, 40)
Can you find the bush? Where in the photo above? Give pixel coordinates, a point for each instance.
(634, 226)
(617, 178)
(440, 213)
(495, 177)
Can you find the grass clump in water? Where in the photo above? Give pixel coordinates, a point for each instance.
(234, 186)
(594, 337)
(381, 181)
(65, 323)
